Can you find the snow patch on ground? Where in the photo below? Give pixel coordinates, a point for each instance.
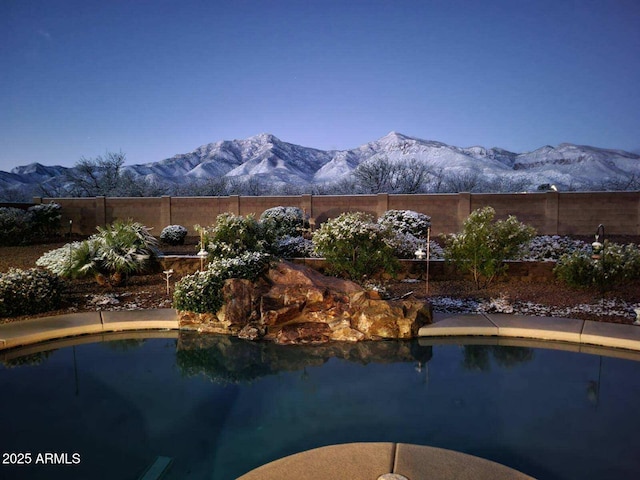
(604, 307)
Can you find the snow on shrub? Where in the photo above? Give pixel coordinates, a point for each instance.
(25, 292)
(279, 222)
(15, 226)
(618, 263)
(45, 219)
(294, 247)
(406, 222)
(201, 292)
(546, 248)
(173, 235)
(355, 246)
(233, 235)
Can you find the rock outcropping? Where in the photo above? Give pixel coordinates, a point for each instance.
(295, 304)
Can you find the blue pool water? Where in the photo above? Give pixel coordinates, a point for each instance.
(222, 407)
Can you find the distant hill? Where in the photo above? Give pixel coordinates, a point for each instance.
(275, 162)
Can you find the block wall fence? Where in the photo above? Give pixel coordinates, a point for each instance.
(551, 213)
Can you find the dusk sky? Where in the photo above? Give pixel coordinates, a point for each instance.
(156, 78)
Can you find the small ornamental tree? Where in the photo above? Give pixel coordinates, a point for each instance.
(355, 246)
(484, 244)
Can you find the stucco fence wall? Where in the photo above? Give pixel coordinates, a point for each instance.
(561, 213)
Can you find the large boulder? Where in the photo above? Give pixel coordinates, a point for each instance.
(295, 304)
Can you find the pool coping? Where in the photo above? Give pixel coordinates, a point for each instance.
(568, 330)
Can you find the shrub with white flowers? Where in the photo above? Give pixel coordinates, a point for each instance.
(617, 264)
(278, 222)
(355, 246)
(406, 222)
(201, 292)
(173, 235)
(25, 292)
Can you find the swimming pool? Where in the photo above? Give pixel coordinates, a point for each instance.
(220, 407)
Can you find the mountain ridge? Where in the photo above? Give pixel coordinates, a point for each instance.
(266, 157)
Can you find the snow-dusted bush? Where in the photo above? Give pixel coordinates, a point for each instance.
(173, 235)
(59, 261)
(232, 235)
(405, 245)
(406, 222)
(294, 247)
(115, 252)
(15, 226)
(355, 246)
(618, 263)
(202, 291)
(24, 292)
(279, 222)
(545, 248)
(45, 219)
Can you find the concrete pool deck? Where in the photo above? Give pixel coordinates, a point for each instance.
(567, 330)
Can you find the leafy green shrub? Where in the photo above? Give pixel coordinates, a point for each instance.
(15, 226)
(484, 244)
(112, 255)
(617, 264)
(202, 291)
(355, 246)
(45, 219)
(279, 222)
(232, 235)
(25, 292)
(406, 222)
(173, 235)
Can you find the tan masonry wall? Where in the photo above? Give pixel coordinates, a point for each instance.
(566, 213)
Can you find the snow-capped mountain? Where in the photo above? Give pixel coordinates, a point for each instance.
(266, 157)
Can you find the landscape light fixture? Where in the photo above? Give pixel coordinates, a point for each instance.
(598, 247)
(424, 255)
(202, 254)
(168, 274)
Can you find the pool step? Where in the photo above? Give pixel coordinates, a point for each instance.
(157, 469)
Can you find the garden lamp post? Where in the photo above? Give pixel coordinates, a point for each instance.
(598, 247)
(422, 255)
(598, 255)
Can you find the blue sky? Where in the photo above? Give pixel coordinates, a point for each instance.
(158, 78)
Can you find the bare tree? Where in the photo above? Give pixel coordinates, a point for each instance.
(93, 177)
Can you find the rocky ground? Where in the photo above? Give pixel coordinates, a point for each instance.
(546, 299)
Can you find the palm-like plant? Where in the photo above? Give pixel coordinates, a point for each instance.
(115, 252)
